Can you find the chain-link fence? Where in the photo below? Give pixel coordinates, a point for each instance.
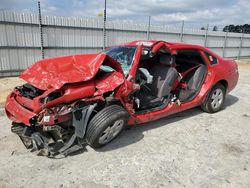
(26, 38)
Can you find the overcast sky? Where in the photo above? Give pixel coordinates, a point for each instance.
(194, 12)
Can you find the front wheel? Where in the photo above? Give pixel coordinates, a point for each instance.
(106, 125)
(215, 99)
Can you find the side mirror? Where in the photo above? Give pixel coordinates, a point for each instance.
(146, 75)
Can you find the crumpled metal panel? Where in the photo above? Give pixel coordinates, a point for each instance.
(16, 112)
(55, 72)
(109, 82)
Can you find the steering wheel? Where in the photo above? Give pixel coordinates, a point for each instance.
(144, 77)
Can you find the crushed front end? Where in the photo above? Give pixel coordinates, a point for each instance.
(53, 130)
(51, 112)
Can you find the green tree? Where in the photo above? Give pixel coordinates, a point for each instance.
(237, 28)
(215, 28)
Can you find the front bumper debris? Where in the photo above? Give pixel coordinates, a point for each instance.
(17, 112)
(46, 146)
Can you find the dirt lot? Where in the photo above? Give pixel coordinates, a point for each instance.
(189, 149)
(6, 85)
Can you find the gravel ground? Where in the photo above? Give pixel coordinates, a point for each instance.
(189, 149)
(6, 85)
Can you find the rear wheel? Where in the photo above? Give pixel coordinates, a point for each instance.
(215, 99)
(106, 125)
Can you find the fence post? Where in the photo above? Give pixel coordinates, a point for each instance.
(182, 31)
(225, 44)
(104, 25)
(241, 41)
(7, 42)
(205, 41)
(148, 30)
(41, 29)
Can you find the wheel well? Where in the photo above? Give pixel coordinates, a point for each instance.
(224, 83)
(103, 104)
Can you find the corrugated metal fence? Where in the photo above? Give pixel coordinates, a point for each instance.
(20, 38)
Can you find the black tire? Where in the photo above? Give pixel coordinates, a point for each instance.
(208, 105)
(105, 120)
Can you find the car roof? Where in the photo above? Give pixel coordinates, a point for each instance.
(171, 45)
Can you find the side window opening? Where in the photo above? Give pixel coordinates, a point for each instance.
(213, 60)
(186, 59)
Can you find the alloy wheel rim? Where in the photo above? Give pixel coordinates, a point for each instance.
(111, 132)
(217, 98)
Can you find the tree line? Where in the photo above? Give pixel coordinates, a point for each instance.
(237, 28)
(233, 28)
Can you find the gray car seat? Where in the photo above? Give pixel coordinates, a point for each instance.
(194, 81)
(164, 75)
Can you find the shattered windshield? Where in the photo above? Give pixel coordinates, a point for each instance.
(122, 54)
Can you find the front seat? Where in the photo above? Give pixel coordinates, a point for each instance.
(164, 74)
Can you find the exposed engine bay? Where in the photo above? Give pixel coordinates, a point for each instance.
(55, 130)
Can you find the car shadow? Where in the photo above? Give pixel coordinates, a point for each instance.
(230, 100)
(134, 134)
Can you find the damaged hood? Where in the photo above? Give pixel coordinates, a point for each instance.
(55, 72)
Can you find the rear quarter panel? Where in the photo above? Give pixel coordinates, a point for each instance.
(227, 69)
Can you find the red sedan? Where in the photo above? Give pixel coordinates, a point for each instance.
(72, 101)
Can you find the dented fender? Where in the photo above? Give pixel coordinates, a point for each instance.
(108, 83)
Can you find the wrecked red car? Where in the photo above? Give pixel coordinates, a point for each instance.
(72, 101)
